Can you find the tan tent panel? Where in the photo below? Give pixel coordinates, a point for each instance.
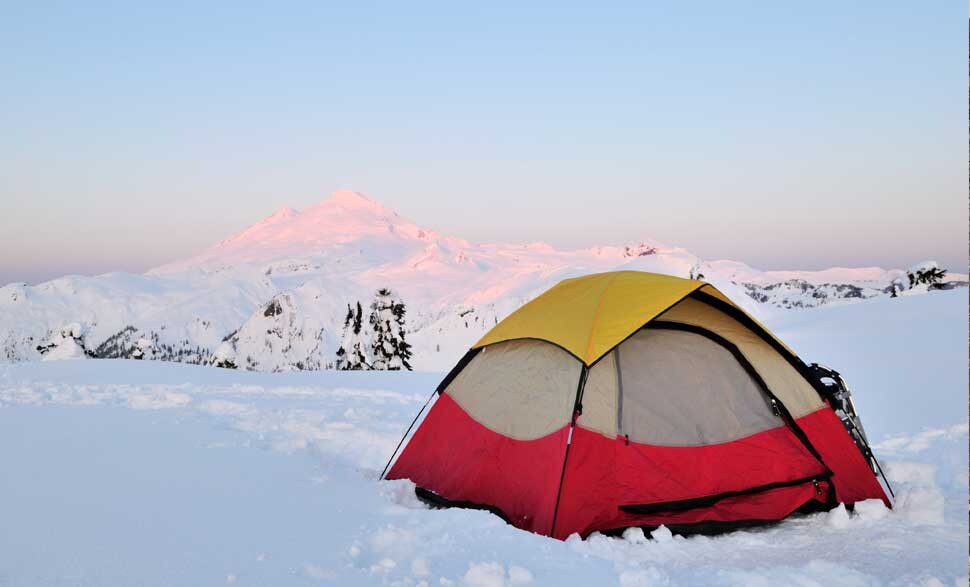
(523, 389)
(671, 388)
(683, 389)
(794, 391)
(600, 397)
(714, 292)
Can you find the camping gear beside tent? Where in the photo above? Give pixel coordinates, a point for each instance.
(635, 399)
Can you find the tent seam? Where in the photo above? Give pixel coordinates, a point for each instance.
(632, 332)
(596, 318)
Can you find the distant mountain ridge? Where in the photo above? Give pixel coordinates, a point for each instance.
(309, 265)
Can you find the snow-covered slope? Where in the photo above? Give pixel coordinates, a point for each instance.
(213, 307)
(810, 289)
(237, 478)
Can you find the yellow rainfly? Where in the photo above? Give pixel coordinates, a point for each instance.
(590, 315)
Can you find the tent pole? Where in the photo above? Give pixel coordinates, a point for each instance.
(577, 410)
(398, 447)
(883, 475)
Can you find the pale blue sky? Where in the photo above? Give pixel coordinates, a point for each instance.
(785, 135)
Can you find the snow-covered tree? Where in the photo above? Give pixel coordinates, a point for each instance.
(351, 355)
(918, 279)
(224, 355)
(927, 272)
(144, 349)
(389, 348)
(341, 363)
(65, 343)
(695, 272)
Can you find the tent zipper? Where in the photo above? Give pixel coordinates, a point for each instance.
(707, 501)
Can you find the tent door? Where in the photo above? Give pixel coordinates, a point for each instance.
(694, 418)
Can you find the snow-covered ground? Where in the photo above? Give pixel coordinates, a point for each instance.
(148, 473)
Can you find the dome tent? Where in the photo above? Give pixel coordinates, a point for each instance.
(635, 399)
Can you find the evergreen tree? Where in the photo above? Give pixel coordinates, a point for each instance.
(389, 348)
(402, 349)
(350, 355)
(341, 361)
(382, 350)
(927, 275)
(144, 349)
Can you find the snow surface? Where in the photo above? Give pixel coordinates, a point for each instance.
(140, 472)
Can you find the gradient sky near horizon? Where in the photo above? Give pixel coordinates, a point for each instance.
(786, 135)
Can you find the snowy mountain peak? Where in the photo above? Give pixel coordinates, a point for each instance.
(350, 199)
(344, 225)
(283, 213)
(347, 206)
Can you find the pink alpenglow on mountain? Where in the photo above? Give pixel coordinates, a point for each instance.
(212, 307)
